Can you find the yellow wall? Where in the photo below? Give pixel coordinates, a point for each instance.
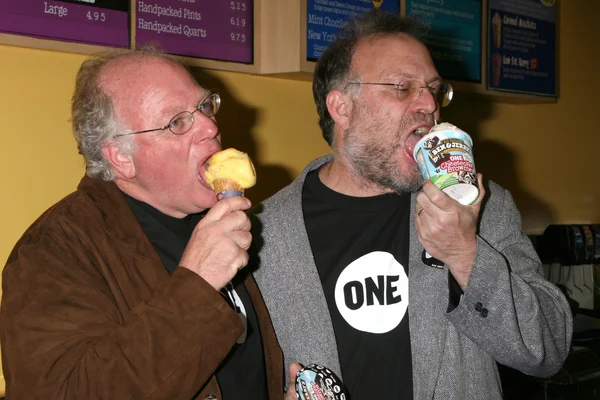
(545, 153)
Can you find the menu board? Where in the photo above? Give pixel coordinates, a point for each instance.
(99, 22)
(220, 30)
(454, 36)
(325, 18)
(522, 46)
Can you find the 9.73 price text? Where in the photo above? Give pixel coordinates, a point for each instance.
(238, 37)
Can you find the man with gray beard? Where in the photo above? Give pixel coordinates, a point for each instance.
(340, 265)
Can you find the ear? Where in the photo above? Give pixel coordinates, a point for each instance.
(122, 164)
(339, 107)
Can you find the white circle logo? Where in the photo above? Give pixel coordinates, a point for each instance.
(371, 293)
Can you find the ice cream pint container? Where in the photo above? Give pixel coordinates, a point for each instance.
(315, 382)
(445, 156)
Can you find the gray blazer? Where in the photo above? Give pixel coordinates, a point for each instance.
(528, 325)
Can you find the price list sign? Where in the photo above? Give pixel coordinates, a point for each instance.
(220, 30)
(99, 22)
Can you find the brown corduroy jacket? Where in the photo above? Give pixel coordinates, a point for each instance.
(89, 311)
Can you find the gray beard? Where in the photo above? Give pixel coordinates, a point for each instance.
(375, 161)
(382, 172)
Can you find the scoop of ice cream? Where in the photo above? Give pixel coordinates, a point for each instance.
(444, 126)
(230, 165)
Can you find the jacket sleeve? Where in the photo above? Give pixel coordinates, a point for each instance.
(65, 335)
(508, 308)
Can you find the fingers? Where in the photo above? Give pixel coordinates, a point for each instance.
(242, 238)
(236, 220)
(218, 247)
(424, 203)
(446, 228)
(291, 392)
(431, 199)
(227, 206)
(240, 261)
(479, 200)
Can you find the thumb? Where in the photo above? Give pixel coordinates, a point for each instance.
(294, 369)
(481, 190)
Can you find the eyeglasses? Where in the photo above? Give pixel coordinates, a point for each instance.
(183, 122)
(411, 90)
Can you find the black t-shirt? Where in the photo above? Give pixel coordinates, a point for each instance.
(360, 246)
(243, 370)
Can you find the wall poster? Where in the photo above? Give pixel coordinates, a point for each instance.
(454, 36)
(522, 46)
(324, 18)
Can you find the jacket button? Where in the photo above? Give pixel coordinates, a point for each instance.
(210, 397)
(484, 313)
(478, 307)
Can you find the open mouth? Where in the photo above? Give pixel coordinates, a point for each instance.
(421, 131)
(201, 177)
(414, 138)
(202, 171)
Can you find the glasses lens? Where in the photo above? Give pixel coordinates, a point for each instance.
(408, 90)
(444, 94)
(412, 89)
(181, 123)
(210, 106)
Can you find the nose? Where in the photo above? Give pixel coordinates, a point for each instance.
(426, 103)
(204, 128)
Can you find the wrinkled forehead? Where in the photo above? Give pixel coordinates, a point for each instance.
(151, 87)
(397, 55)
(132, 70)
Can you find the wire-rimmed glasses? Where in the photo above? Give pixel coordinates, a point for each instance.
(183, 121)
(412, 89)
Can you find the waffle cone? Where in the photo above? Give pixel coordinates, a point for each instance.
(222, 185)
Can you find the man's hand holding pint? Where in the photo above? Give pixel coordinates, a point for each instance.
(448, 229)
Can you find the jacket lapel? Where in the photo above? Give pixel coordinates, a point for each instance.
(306, 328)
(428, 300)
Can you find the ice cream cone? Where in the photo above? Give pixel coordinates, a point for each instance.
(229, 172)
(227, 187)
(497, 27)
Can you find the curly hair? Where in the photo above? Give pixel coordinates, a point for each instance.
(92, 113)
(332, 71)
